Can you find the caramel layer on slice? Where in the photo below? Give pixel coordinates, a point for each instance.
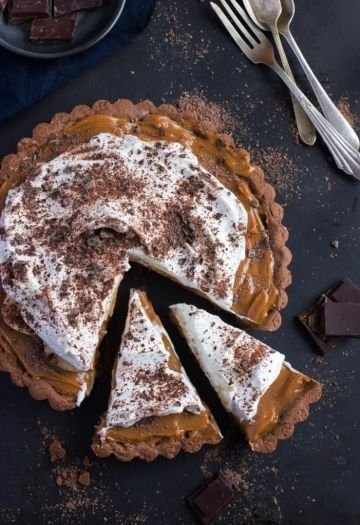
(277, 400)
(195, 426)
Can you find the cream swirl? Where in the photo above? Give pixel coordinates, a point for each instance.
(69, 231)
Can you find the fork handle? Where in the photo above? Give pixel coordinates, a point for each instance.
(305, 127)
(330, 110)
(346, 157)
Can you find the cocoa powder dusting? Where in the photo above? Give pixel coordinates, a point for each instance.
(207, 112)
(280, 171)
(343, 105)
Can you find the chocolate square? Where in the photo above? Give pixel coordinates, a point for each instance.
(64, 7)
(346, 293)
(342, 319)
(59, 29)
(212, 497)
(313, 318)
(29, 8)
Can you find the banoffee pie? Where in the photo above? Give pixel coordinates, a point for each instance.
(106, 186)
(154, 409)
(263, 393)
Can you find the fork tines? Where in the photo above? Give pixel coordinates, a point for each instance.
(246, 35)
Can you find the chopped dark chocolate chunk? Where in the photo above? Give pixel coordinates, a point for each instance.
(59, 29)
(347, 292)
(64, 7)
(29, 8)
(313, 318)
(212, 497)
(342, 319)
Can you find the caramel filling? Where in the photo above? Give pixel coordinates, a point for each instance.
(196, 427)
(34, 361)
(280, 397)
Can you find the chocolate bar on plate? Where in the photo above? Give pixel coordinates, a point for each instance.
(24, 10)
(64, 7)
(53, 29)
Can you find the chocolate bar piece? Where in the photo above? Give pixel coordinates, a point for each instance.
(342, 319)
(313, 318)
(59, 29)
(312, 321)
(347, 292)
(64, 7)
(29, 8)
(211, 497)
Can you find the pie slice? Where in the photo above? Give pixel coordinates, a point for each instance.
(263, 393)
(153, 409)
(95, 190)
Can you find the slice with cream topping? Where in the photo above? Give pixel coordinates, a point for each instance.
(153, 409)
(255, 384)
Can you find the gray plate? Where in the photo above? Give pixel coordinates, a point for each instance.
(91, 27)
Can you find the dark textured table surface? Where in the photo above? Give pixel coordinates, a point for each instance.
(313, 478)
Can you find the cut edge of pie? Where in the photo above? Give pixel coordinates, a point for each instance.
(48, 133)
(153, 410)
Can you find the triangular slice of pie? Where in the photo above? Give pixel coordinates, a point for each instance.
(153, 409)
(263, 393)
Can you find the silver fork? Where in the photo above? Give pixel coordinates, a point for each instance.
(258, 48)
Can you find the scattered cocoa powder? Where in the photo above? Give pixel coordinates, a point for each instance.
(56, 450)
(86, 462)
(67, 477)
(344, 107)
(208, 112)
(280, 171)
(71, 477)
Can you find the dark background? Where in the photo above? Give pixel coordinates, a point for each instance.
(313, 478)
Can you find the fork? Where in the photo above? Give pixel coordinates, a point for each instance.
(258, 48)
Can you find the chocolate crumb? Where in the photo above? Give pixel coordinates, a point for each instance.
(57, 451)
(84, 479)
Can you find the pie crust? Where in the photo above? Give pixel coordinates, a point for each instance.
(284, 429)
(48, 140)
(150, 449)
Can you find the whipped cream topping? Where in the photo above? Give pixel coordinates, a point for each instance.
(69, 231)
(239, 367)
(143, 383)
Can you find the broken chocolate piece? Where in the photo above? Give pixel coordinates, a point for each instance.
(60, 29)
(29, 8)
(64, 7)
(346, 292)
(313, 318)
(342, 319)
(211, 497)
